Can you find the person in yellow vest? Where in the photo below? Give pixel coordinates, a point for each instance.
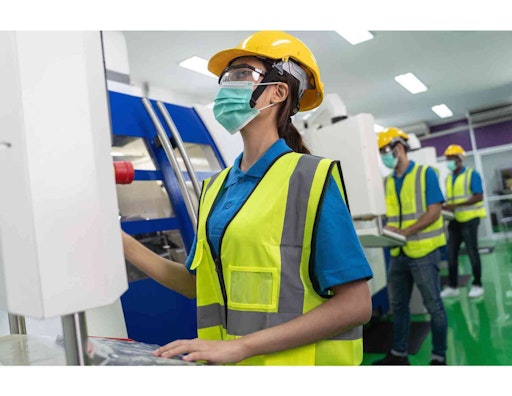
(464, 197)
(277, 268)
(413, 209)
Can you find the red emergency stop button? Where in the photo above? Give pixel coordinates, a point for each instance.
(124, 172)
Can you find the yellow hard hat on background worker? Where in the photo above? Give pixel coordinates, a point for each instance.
(455, 150)
(391, 137)
(287, 53)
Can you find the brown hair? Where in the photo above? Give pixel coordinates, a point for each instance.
(289, 107)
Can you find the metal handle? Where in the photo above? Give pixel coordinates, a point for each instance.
(164, 140)
(179, 142)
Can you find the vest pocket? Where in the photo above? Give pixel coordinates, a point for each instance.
(253, 288)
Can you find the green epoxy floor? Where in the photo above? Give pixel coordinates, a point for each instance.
(479, 330)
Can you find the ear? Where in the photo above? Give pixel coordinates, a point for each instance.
(280, 93)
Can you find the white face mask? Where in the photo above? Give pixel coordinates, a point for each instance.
(232, 105)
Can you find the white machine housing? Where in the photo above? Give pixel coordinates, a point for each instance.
(60, 242)
(353, 142)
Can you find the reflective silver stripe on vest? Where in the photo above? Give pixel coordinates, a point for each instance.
(467, 190)
(209, 315)
(469, 208)
(419, 194)
(291, 298)
(459, 197)
(425, 235)
(212, 179)
(395, 219)
(248, 322)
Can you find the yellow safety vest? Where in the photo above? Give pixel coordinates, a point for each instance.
(404, 210)
(262, 277)
(460, 191)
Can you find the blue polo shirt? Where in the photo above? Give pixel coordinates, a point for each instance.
(433, 194)
(339, 256)
(475, 184)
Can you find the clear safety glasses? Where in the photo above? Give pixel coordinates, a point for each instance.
(241, 72)
(386, 149)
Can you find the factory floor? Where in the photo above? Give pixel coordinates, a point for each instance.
(480, 329)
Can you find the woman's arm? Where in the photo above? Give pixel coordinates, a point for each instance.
(169, 273)
(349, 307)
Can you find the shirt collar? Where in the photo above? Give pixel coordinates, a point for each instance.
(409, 168)
(461, 171)
(258, 169)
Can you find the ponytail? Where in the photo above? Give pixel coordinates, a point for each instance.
(292, 137)
(285, 127)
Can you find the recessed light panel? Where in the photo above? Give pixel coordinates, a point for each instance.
(410, 82)
(355, 36)
(442, 111)
(198, 65)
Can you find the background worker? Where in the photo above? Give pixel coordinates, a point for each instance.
(464, 197)
(277, 268)
(413, 209)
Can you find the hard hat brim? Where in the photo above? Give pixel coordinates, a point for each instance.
(221, 60)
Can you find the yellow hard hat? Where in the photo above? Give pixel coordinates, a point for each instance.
(454, 149)
(390, 136)
(280, 46)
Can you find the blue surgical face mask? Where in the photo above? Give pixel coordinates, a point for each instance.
(389, 160)
(451, 165)
(232, 105)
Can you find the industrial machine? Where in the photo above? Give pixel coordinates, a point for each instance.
(60, 245)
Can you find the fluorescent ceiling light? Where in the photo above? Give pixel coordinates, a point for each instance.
(410, 82)
(198, 65)
(355, 36)
(442, 111)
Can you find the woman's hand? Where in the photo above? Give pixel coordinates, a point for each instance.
(213, 352)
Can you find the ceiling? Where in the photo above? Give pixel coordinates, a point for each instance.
(466, 70)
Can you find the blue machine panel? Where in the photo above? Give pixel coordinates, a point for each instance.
(157, 315)
(153, 313)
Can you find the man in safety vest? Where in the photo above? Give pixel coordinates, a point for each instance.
(464, 197)
(413, 209)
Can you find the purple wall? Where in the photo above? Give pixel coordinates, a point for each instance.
(442, 142)
(449, 125)
(493, 135)
(486, 136)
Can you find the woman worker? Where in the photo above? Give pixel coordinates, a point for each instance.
(277, 269)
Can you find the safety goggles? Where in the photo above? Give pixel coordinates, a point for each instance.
(242, 72)
(386, 149)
